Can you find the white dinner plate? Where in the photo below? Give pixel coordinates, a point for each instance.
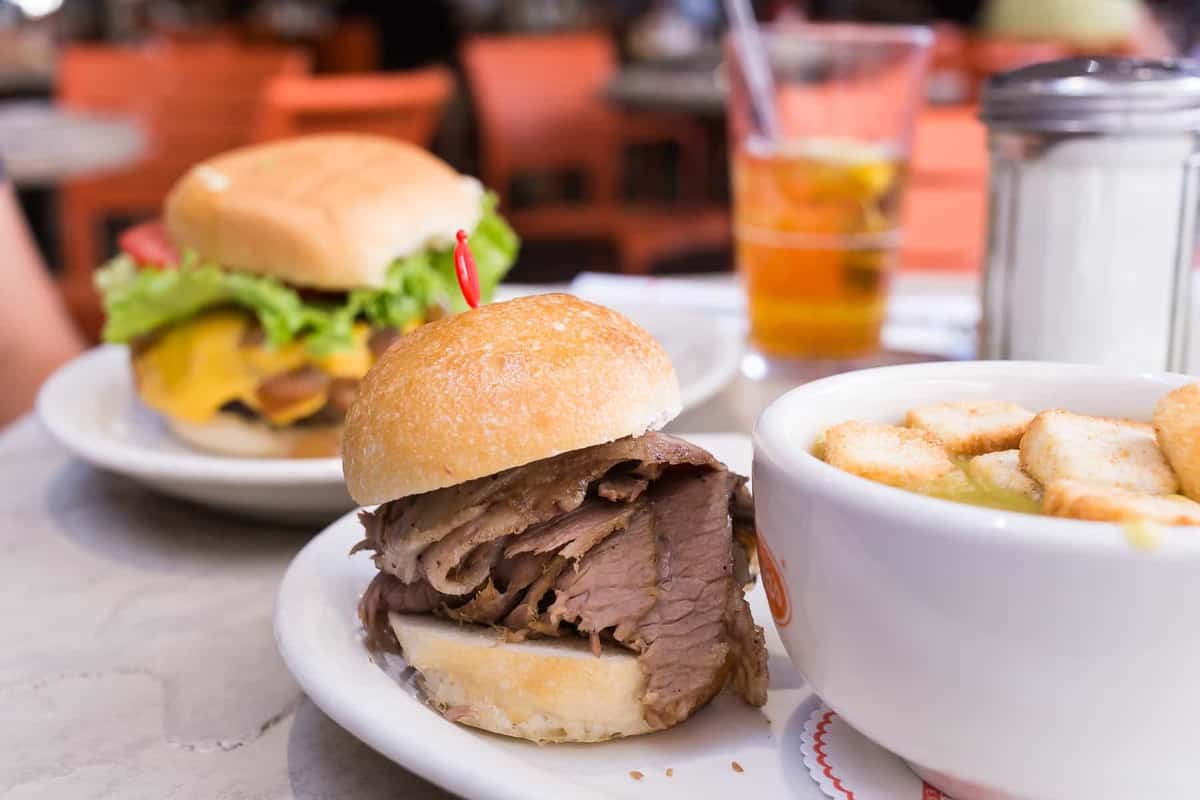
(91, 408)
(318, 633)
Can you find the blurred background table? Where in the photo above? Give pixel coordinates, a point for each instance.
(693, 88)
(42, 145)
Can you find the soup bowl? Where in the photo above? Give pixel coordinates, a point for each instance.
(1002, 655)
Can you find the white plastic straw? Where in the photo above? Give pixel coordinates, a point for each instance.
(752, 55)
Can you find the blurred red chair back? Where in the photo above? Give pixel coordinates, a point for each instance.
(945, 206)
(541, 107)
(352, 46)
(192, 101)
(539, 104)
(405, 106)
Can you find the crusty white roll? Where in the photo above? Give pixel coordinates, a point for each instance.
(331, 211)
(546, 690)
(501, 386)
(233, 435)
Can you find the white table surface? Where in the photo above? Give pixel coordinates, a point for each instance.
(138, 657)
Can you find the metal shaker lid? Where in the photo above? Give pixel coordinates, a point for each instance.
(1096, 95)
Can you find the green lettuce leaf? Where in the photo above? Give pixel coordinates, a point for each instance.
(139, 301)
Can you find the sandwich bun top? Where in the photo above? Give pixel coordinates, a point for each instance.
(330, 211)
(501, 386)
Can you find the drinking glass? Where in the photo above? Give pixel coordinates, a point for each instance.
(817, 187)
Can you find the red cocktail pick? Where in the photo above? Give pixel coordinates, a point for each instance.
(464, 268)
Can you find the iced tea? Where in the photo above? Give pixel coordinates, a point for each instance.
(816, 225)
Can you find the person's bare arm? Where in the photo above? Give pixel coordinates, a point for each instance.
(36, 335)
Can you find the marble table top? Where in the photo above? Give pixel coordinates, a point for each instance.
(138, 657)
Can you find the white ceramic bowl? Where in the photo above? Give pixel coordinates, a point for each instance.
(1002, 655)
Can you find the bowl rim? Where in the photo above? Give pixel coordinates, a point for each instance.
(947, 518)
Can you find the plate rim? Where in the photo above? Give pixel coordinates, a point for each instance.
(129, 458)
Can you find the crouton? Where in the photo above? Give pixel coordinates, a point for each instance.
(1082, 500)
(972, 427)
(1002, 470)
(1177, 423)
(903, 457)
(1060, 445)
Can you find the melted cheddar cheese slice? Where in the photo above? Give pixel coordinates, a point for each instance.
(196, 367)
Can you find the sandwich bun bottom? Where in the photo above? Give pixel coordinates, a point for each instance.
(543, 690)
(233, 435)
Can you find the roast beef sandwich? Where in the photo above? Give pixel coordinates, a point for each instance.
(551, 566)
(277, 275)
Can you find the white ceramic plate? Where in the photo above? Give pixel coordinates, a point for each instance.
(318, 634)
(705, 348)
(91, 408)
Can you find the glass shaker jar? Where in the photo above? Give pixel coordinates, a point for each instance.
(1092, 222)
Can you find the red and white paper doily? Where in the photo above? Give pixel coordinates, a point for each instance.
(849, 766)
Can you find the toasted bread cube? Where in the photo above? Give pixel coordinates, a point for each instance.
(1060, 445)
(904, 457)
(1177, 423)
(1082, 500)
(972, 427)
(1002, 470)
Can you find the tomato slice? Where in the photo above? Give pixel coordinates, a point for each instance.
(148, 245)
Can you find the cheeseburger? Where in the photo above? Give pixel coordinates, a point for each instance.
(551, 566)
(280, 273)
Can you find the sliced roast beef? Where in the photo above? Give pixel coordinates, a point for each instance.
(614, 586)
(742, 507)
(630, 542)
(748, 653)
(469, 514)
(622, 488)
(388, 593)
(575, 532)
(508, 583)
(688, 631)
(529, 615)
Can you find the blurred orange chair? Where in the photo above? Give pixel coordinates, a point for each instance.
(406, 106)
(988, 55)
(192, 100)
(945, 206)
(540, 105)
(352, 46)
